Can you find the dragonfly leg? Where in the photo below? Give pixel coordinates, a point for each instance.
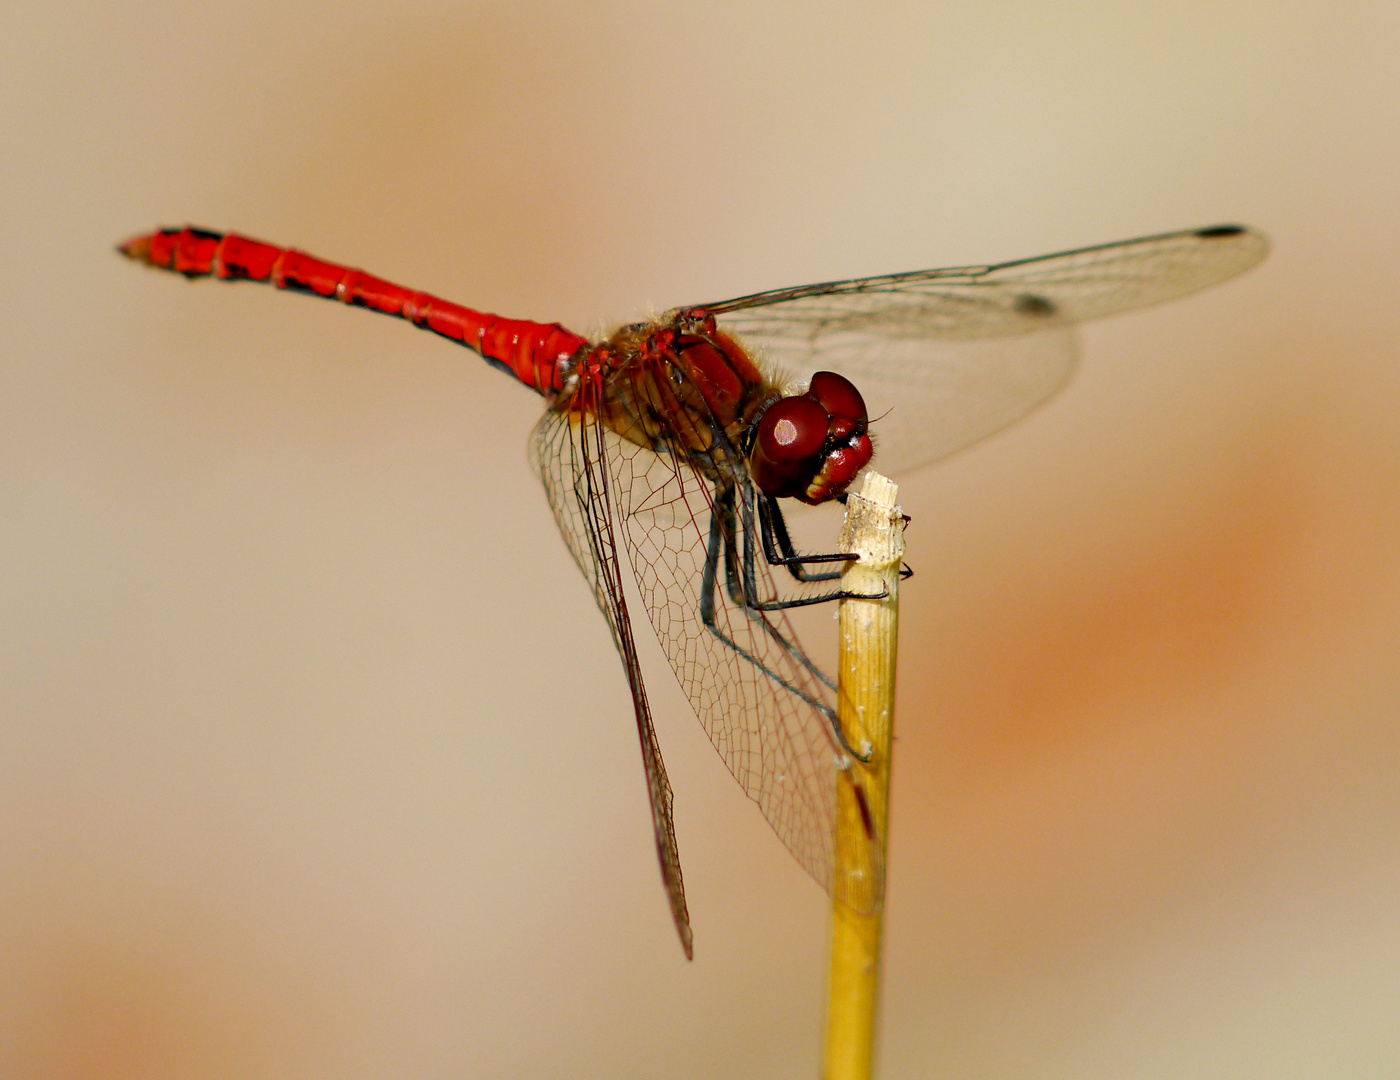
(722, 544)
(778, 548)
(775, 536)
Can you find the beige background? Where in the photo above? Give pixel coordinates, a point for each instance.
(315, 760)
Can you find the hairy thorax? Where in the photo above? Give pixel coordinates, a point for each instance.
(676, 385)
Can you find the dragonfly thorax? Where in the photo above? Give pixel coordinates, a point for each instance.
(677, 386)
(684, 387)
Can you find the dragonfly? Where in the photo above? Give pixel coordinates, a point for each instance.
(668, 448)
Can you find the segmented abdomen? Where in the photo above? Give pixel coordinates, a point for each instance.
(532, 352)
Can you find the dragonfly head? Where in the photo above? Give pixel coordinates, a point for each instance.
(811, 446)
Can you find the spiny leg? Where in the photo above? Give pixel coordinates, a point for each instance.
(778, 548)
(775, 533)
(741, 585)
(773, 528)
(721, 544)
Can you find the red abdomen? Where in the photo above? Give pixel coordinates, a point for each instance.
(533, 352)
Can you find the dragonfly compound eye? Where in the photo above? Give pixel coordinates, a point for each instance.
(848, 447)
(793, 430)
(787, 452)
(838, 396)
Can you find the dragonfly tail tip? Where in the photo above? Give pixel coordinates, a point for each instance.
(138, 248)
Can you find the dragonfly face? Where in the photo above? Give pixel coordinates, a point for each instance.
(811, 446)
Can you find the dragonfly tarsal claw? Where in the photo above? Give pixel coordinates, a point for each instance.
(863, 755)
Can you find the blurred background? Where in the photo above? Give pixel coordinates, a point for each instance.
(315, 757)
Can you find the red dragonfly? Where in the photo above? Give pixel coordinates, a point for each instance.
(680, 435)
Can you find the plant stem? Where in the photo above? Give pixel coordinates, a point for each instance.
(874, 530)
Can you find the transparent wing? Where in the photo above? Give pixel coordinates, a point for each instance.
(951, 356)
(928, 399)
(761, 702)
(567, 455)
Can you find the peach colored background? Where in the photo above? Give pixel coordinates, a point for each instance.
(315, 760)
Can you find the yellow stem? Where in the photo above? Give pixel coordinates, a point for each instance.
(874, 530)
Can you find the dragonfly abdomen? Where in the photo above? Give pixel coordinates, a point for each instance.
(533, 352)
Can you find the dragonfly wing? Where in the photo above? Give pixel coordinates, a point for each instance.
(567, 453)
(967, 350)
(928, 399)
(764, 706)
